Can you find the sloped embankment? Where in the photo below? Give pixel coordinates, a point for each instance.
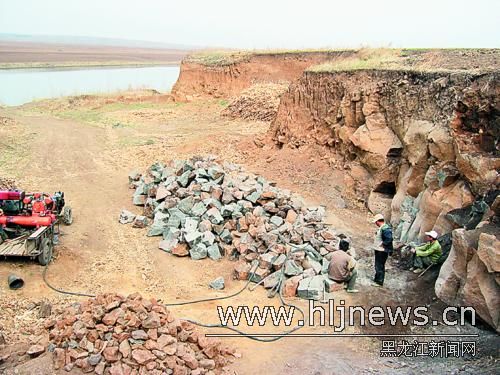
(226, 74)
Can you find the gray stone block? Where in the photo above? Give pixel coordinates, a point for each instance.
(311, 287)
(292, 268)
(193, 238)
(217, 284)
(214, 252)
(214, 216)
(198, 209)
(198, 252)
(126, 217)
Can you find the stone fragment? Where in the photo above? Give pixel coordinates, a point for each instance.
(199, 251)
(142, 356)
(111, 354)
(242, 271)
(290, 286)
(217, 284)
(35, 350)
(311, 287)
(181, 250)
(259, 274)
(140, 222)
(214, 252)
(292, 268)
(126, 217)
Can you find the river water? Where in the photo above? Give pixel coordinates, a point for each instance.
(19, 86)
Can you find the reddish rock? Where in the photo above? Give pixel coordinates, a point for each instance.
(142, 356)
(170, 362)
(111, 317)
(139, 335)
(111, 354)
(152, 320)
(165, 340)
(125, 349)
(151, 366)
(190, 361)
(59, 357)
(181, 250)
(170, 349)
(112, 305)
(153, 333)
(242, 270)
(290, 286)
(208, 364)
(291, 216)
(99, 369)
(116, 369)
(180, 370)
(151, 345)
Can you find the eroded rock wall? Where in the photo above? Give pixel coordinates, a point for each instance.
(414, 145)
(470, 275)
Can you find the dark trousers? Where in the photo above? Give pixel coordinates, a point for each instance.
(380, 259)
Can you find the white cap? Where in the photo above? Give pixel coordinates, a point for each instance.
(432, 234)
(378, 217)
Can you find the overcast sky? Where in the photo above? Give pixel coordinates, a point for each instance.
(264, 23)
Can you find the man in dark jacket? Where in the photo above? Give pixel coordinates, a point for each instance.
(382, 246)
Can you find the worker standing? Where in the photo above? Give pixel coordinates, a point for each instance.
(427, 254)
(382, 246)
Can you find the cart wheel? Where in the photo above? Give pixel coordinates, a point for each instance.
(67, 215)
(46, 248)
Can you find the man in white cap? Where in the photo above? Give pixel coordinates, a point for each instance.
(426, 254)
(382, 246)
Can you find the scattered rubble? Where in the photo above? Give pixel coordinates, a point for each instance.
(258, 102)
(114, 334)
(206, 210)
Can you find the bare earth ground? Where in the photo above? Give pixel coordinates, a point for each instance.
(87, 146)
(19, 54)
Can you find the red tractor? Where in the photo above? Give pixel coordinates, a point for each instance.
(29, 223)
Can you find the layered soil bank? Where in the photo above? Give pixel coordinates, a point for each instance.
(229, 75)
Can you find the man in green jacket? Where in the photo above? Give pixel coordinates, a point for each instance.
(426, 254)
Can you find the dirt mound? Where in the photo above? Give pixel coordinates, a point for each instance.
(114, 334)
(259, 102)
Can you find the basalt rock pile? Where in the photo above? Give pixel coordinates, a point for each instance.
(113, 334)
(203, 209)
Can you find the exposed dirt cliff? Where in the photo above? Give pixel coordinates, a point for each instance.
(229, 74)
(414, 145)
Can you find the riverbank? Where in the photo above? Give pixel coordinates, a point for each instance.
(20, 86)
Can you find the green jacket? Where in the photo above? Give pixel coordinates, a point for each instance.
(430, 249)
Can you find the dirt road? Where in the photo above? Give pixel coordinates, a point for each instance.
(90, 161)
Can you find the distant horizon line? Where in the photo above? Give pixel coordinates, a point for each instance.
(96, 41)
(134, 43)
